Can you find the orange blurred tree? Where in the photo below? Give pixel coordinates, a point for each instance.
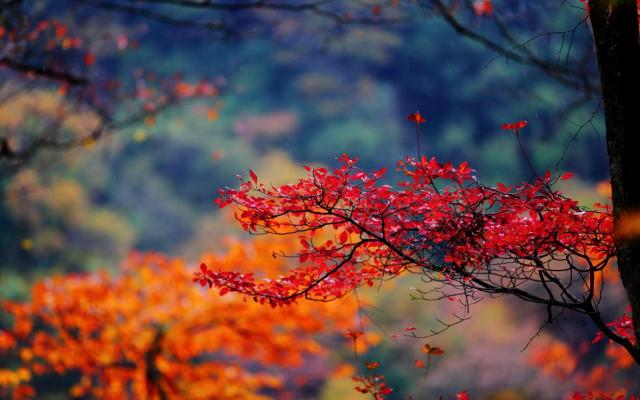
(148, 332)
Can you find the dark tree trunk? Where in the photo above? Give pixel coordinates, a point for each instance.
(615, 31)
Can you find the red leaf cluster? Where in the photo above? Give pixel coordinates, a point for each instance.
(439, 221)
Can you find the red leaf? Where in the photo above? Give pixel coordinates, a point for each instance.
(372, 364)
(254, 177)
(483, 7)
(515, 126)
(359, 175)
(566, 176)
(598, 338)
(462, 395)
(344, 236)
(417, 118)
(386, 390)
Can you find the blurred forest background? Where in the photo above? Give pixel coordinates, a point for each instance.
(294, 88)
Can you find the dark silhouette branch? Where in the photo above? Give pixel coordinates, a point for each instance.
(517, 53)
(313, 7)
(158, 16)
(44, 72)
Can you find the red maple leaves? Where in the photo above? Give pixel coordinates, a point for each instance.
(439, 221)
(623, 327)
(373, 383)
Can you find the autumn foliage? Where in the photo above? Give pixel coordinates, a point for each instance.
(148, 332)
(596, 382)
(464, 239)
(441, 222)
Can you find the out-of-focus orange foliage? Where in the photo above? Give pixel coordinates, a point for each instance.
(619, 356)
(604, 189)
(149, 332)
(599, 381)
(599, 384)
(629, 224)
(556, 359)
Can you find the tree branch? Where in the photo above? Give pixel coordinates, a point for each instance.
(44, 72)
